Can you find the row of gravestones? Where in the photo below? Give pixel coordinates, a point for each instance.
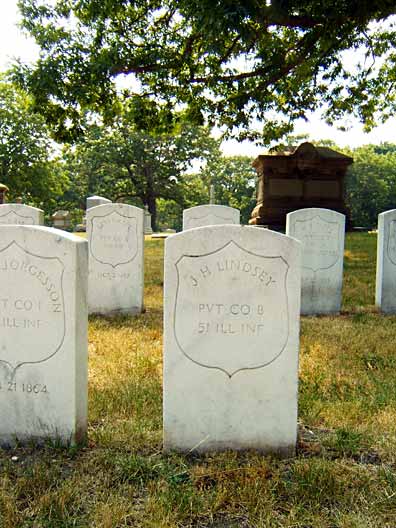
(231, 335)
(116, 244)
(230, 325)
(115, 234)
(322, 233)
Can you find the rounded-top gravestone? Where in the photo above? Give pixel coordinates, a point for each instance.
(43, 338)
(20, 214)
(231, 339)
(385, 291)
(116, 259)
(204, 215)
(322, 234)
(94, 201)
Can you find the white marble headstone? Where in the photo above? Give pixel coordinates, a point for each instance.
(94, 201)
(204, 215)
(20, 214)
(385, 292)
(231, 341)
(322, 233)
(116, 250)
(43, 335)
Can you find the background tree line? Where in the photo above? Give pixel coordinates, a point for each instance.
(187, 66)
(166, 168)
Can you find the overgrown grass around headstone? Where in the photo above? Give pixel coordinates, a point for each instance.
(344, 474)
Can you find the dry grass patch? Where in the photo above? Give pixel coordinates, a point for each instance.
(344, 474)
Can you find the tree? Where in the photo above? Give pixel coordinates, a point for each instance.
(27, 163)
(234, 180)
(127, 164)
(226, 61)
(371, 183)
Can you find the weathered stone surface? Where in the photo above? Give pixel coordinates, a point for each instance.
(203, 215)
(19, 214)
(94, 201)
(385, 291)
(116, 269)
(322, 234)
(43, 337)
(231, 319)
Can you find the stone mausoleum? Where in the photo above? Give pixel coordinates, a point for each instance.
(306, 176)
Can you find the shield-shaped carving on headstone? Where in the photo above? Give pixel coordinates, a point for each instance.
(113, 239)
(321, 241)
(231, 309)
(32, 312)
(392, 242)
(12, 217)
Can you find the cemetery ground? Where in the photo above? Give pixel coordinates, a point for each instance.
(344, 474)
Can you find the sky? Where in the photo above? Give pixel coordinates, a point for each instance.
(13, 44)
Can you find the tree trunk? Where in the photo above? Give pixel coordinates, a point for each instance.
(152, 207)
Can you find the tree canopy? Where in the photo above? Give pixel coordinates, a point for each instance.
(128, 164)
(225, 61)
(371, 182)
(27, 163)
(234, 181)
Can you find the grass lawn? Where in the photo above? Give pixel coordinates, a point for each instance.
(344, 474)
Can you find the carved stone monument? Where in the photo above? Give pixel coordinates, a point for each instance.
(231, 319)
(43, 338)
(14, 213)
(322, 234)
(147, 221)
(385, 291)
(61, 219)
(3, 190)
(116, 249)
(203, 215)
(303, 177)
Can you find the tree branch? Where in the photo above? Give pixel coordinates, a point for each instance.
(128, 195)
(305, 45)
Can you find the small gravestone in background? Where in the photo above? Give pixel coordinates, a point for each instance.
(231, 321)
(20, 214)
(94, 201)
(212, 195)
(3, 191)
(147, 221)
(43, 338)
(322, 234)
(204, 215)
(116, 249)
(61, 219)
(385, 291)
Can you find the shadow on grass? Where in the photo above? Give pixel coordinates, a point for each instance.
(148, 319)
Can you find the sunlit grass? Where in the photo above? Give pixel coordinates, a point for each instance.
(344, 474)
